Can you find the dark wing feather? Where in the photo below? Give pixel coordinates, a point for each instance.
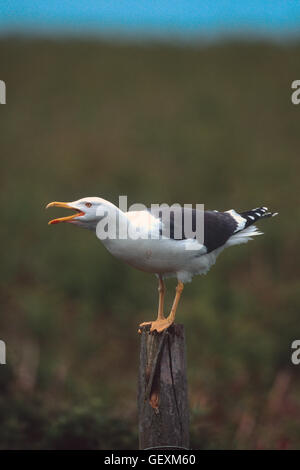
(218, 226)
(254, 215)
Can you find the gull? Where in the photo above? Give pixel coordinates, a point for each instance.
(155, 240)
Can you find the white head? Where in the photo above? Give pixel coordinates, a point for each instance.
(88, 211)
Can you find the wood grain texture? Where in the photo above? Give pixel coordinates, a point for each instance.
(162, 390)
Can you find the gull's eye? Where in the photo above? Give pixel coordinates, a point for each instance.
(88, 204)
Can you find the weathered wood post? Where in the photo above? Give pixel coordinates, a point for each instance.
(162, 390)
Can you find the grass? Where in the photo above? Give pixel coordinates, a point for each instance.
(212, 125)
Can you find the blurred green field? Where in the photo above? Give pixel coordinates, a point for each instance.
(212, 125)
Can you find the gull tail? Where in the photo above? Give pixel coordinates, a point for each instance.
(249, 230)
(254, 215)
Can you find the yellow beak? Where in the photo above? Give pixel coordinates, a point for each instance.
(65, 205)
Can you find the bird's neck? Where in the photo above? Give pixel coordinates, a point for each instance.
(112, 225)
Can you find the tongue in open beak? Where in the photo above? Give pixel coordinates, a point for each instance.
(65, 205)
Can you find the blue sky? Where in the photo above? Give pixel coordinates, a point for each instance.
(186, 19)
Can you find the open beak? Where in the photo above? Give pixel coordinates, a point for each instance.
(65, 205)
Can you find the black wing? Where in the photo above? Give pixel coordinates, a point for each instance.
(218, 226)
(176, 222)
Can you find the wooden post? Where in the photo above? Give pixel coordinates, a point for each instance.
(162, 390)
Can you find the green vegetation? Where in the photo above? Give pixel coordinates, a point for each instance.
(211, 125)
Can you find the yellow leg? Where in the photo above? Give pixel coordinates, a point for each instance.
(161, 299)
(162, 323)
(179, 289)
(160, 313)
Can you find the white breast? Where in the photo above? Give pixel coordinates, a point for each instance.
(160, 255)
